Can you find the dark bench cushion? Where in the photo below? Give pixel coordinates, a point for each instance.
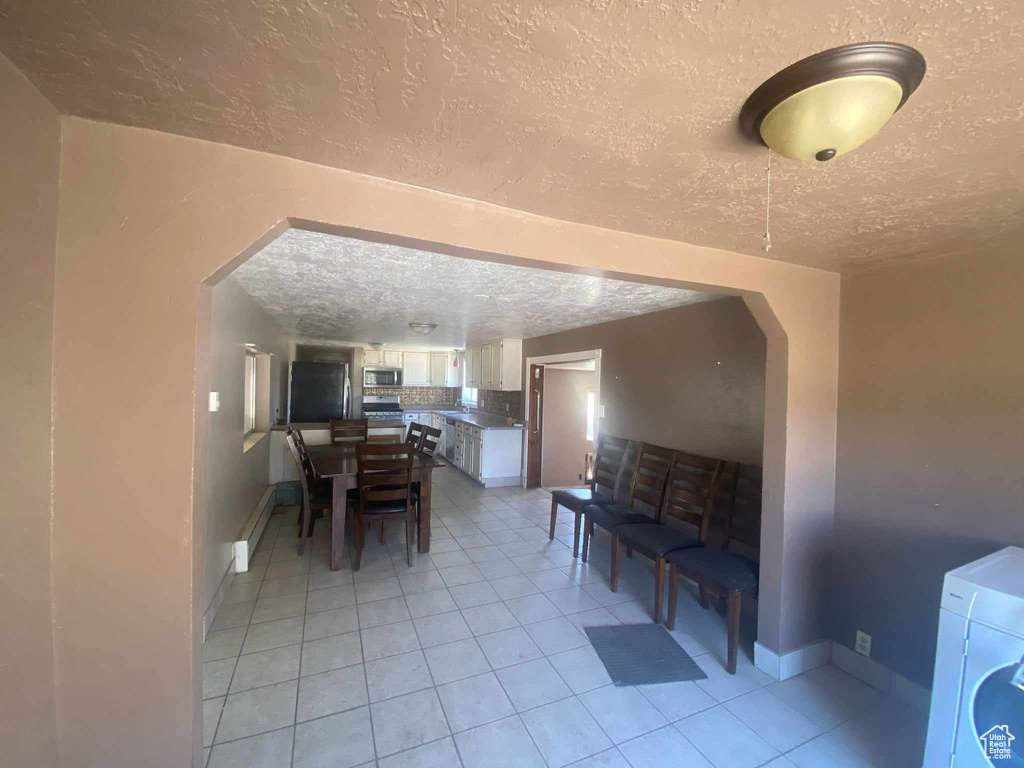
(577, 498)
(656, 539)
(732, 571)
(610, 515)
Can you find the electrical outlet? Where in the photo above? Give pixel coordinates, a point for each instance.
(506, 407)
(863, 646)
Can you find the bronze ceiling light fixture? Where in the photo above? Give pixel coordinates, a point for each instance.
(830, 103)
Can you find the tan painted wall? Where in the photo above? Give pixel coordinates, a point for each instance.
(691, 377)
(144, 219)
(29, 157)
(931, 439)
(565, 426)
(235, 481)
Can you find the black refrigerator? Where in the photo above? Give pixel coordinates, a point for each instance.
(319, 392)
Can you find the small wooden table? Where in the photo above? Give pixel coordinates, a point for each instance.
(338, 462)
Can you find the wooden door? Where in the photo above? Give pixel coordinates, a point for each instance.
(535, 428)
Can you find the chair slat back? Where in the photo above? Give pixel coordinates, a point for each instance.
(611, 452)
(415, 434)
(431, 439)
(348, 430)
(384, 471)
(650, 473)
(691, 491)
(743, 520)
(306, 474)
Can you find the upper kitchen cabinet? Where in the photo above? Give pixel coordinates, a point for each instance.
(455, 373)
(498, 365)
(392, 358)
(373, 358)
(494, 365)
(442, 371)
(473, 367)
(416, 370)
(484, 355)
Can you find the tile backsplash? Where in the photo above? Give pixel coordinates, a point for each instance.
(418, 395)
(494, 401)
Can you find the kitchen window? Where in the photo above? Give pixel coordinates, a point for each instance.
(591, 412)
(469, 395)
(249, 417)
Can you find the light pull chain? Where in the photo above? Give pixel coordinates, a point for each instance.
(768, 207)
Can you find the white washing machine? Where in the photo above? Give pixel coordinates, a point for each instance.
(977, 708)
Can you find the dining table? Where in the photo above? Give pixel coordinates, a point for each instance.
(338, 463)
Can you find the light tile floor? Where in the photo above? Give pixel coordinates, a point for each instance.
(476, 657)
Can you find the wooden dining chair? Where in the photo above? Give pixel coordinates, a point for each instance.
(726, 573)
(384, 472)
(611, 452)
(316, 494)
(318, 486)
(430, 441)
(348, 430)
(689, 499)
(646, 486)
(414, 435)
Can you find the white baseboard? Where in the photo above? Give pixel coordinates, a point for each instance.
(879, 676)
(218, 599)
(786, 665)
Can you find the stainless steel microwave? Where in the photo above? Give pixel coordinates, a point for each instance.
(382, 377)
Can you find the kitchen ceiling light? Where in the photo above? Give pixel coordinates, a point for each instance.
(423, 329)
(832, 102)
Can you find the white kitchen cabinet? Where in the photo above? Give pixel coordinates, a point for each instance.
(496, 366)
(492, 457)
(439, 364)
(373, 358)
(473, 367)
(392, 358)
(416, 369)
(453, 376)
(475, 450)
(487, 378)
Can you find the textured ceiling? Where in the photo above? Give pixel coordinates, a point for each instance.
(617, 113)
(324, 288)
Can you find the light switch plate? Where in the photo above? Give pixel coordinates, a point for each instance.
(214, 402)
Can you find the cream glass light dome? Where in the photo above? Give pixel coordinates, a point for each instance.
(837, 115)
(832, 102)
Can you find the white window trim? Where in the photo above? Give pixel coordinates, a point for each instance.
(249, 419)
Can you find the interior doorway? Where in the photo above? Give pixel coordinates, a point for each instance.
(568, 446)
(556, 456)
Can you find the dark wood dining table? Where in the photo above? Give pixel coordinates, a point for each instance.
(338, 462)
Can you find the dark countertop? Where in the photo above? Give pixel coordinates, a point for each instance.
(476, 418)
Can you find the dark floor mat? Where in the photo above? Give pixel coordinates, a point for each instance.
(642, 654)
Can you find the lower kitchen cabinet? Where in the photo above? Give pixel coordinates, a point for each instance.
(492, 457)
